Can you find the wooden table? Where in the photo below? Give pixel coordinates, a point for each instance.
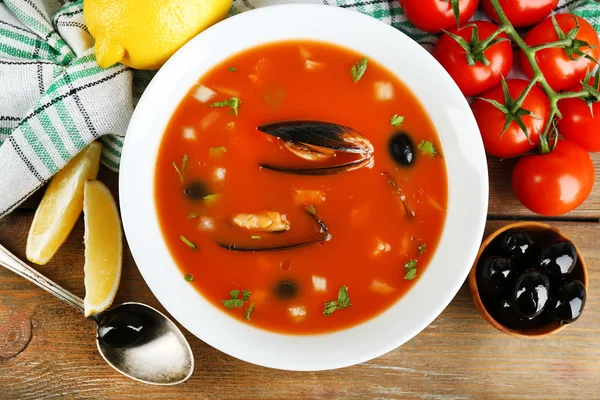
(47, 350)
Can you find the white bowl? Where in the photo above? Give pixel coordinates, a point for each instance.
(464, 157)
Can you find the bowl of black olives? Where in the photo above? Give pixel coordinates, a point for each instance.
(529, 280)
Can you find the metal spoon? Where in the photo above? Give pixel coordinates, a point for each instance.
(159, 355)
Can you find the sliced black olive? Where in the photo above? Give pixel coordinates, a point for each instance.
(286, 289)
(494, 275)
(121, 329)
(195, 190)
(402, 149)
(568, 302)
(520, 247)
(558, 260)
(531, 293)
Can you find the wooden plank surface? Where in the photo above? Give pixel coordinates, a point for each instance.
(47, 350)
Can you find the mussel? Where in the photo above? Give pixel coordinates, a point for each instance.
(310, 210)
(318, 141)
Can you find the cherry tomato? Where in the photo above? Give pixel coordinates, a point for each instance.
(491, 120)
(579, 124)
(435, 15)
(474, 79)
(560, 71)
(522, 13)
(554, 183)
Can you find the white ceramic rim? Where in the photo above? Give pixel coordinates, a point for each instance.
(463, 152)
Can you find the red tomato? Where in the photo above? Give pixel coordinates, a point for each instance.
(560, 71)
(554, 183)
(579, 124)
(474, 79)
(522, 13)
(491, 120)
(435, 15)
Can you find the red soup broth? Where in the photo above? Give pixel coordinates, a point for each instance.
(371, 243)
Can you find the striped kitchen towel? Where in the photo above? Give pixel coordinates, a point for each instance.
(54, 99)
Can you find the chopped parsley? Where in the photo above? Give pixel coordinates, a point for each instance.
(233, 102)
(343, 301)
(256, 237)
(189, 243)
(422, 248)
(189, 277)
(427, 148)
(231, 69)
(216, 153)
(410, 270)
(358, 70)
(235, 302)
(397, 120)
(249, 311)
(211, 199)
(183, 166)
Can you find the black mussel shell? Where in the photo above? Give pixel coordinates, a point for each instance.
(495, 275)
(520, 247)
(121, 329)
(558, 260)
(402, 149)
(286, 289)
(568, 302)
(195, 190)
(321, 134)
(531, 293)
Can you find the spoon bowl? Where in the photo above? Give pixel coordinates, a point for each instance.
(162, 356)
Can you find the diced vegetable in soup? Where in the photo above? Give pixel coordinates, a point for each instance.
(301, 188)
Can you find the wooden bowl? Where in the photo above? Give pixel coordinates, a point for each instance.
(538, 231)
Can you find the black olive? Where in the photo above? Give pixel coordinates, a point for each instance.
(568, 302)
(504, 312)
(520, 247)
(195, 190)
(531, 293)
(494, 275)
(121, 329)
(285, 289)
(558, 260)
(402, 149)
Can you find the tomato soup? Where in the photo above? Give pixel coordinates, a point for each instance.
(301, 188)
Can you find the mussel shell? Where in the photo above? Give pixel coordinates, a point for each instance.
(321, 134)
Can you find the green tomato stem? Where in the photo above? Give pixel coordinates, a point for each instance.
(538, 76)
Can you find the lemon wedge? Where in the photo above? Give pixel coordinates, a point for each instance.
(61, 205)
(103, 247)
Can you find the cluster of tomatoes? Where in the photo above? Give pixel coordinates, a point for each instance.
(552, 176)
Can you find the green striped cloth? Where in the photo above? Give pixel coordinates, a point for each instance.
(54, 99)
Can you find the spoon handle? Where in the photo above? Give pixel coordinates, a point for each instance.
(11, 262)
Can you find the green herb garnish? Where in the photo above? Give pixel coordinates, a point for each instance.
(410, 270)
(233, 102)
(234, 301)
(397, 120)
(216, 153)
(211, 199)
(231, 69)
(249, 311)
(343, 301)
(189, 277)
(183, 166)
(189, 243)
(427, 148)
(358, 70)
(422, 248)
(246, 295)
(257, 237)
